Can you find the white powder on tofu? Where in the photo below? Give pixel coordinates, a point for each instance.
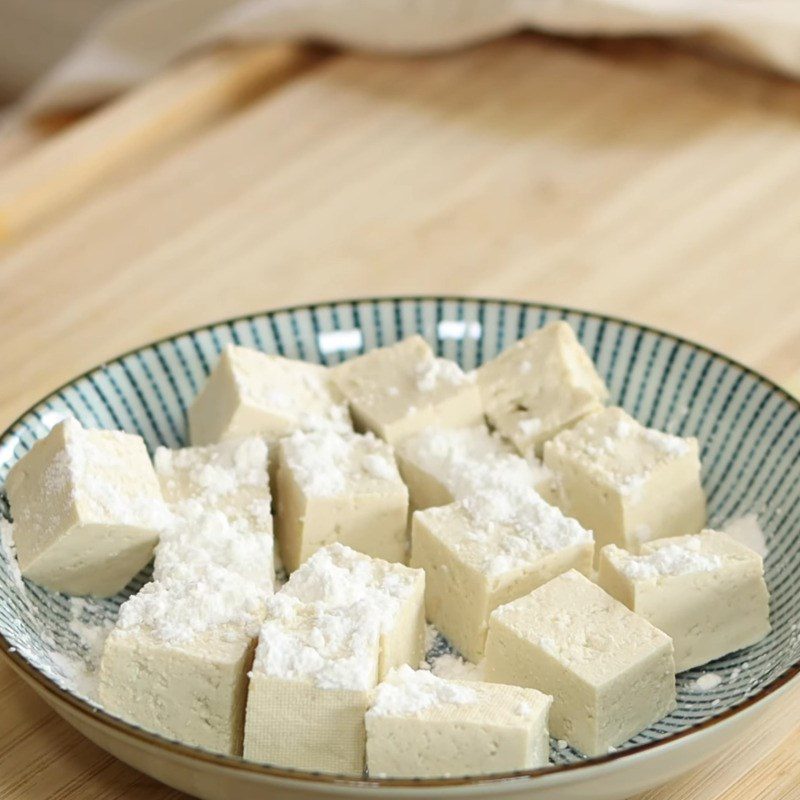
(446, 450)
(450, 665)
(210, 537)
(339, 576)
(260, 508)
(317, 462)
(665, 442)
(529, 427)
(632, 485)
(330, 647)
(432, 373)
(672, 559)
(175, 609)
(548, 644)
(465, 459)
(328, 464)
(229, 476)
(431, 635)
(408, 692)
(518, 526)
(379, 466)
(275, 398)
(335, 418)
(217, 469)
(747, 531)
(296, 391)
(208, 575)
(617, 449)
(524, 709)
(100, 469)
(622, 429)
(326, 413)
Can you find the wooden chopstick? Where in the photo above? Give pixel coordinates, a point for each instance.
(184, 100)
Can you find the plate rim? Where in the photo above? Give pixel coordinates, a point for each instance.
(238, 763)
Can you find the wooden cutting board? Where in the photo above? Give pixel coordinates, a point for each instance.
(626, 178)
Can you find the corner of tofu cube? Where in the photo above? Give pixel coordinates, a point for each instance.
(487, 550)
(339, 576)
(610, 672)
(87, 510)
(423, 726)
(626, 482)
(706, 591)
(401, 389)
(540, 385)
(250, 392)
(314, 670)
(333, 487)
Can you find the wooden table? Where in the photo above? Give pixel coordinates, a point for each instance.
(630, 179)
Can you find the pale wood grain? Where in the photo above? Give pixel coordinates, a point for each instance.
(189, 97)
(632, 181)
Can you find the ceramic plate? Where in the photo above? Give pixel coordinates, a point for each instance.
(749, 433)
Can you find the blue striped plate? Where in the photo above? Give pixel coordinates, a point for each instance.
(748, 428)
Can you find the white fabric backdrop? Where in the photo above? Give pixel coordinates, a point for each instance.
(137, 39)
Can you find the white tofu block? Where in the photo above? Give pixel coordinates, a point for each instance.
(488, 550)
(706, 591)
(87, 510)
(628, 483)
(421, 726)
(540, 385)
(339, 576)
(399, 390)
(176, 663)
(610, 672)
(310, 686)
(250, 392)
(193, 692)
(442, 465)
(333, 487)
(231, 477)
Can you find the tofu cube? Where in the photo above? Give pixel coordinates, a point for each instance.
(310, 685)
(339, 576)
(706, 591)
(610, 672)
(442, 465)
(486, 551)
(250, 392)
(230, 477)
(628, 483)
(399, 390)
(87, 510)
(540, 385)
(421, 726)
(176, 662)
(333, 487)
(193, 691)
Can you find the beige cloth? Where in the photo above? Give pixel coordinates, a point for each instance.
(138, 38)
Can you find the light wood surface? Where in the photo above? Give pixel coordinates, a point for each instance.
(189, 97)
(628, 179)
